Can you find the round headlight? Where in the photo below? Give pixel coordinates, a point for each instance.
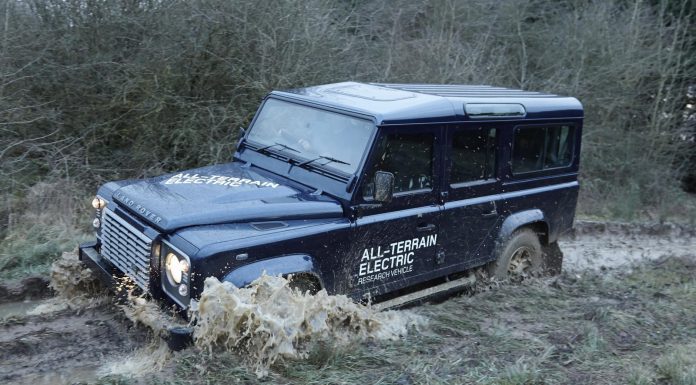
(184, 265)
(98, 203)
(173, 268)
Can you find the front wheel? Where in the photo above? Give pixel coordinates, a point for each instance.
(304, 283)
(520, 257)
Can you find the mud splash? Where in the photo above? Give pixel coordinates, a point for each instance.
(75, 286)
(139, 363)
(269, 320)
(140, 310)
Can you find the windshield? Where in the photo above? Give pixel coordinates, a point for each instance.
(320, 137)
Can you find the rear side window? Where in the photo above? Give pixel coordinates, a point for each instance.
(473, 155)
(540, 148)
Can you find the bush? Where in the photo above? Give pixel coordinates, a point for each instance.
(99, 90)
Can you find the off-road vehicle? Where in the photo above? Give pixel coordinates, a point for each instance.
(368, 190)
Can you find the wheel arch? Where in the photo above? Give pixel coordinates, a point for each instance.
(285, 265)
(533, 219)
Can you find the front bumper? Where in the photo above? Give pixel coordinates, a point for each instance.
(176, 337)
(106, 272)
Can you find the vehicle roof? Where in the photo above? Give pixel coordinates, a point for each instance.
(391, 103)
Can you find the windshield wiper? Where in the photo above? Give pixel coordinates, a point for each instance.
(330, 160)
(284, 146)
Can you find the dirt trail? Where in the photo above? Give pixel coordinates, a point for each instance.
(64, 347)
(596, 246)
(79, 345)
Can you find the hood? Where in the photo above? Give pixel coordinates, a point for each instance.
(222, 193)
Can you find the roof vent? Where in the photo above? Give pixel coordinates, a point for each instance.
(265, 226)
(500, 110)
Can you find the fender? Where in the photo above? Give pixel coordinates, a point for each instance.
(517, 220)
(282, 265)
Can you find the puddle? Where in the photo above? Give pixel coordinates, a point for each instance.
(18, 309)
(72, 376)
(595, 252)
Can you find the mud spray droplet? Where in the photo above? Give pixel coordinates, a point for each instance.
(141, 362)
(75, 285)
(140, 310)
(269, 320)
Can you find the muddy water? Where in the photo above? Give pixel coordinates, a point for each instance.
(17, 309)
(138, 363)
(600, 246)
(64, 339)
(75, 286)
(63, 347)
(82, 337)
(269, 320)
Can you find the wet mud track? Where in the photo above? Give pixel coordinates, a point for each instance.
(64, 347)
(73, 346)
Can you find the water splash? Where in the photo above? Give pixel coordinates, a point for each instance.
(141, 362)
(75, 285)
(269, 320)
(147, 312)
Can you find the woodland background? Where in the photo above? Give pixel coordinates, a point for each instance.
(95, 90)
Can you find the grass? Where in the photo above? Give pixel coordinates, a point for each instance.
(31, 250)
(52, 218)
(632, 328)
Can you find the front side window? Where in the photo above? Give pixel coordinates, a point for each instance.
(409, 157)
(540, 148)
(473, 155)
(311, 133)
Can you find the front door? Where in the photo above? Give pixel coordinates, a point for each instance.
(470, 219)
(396, 242)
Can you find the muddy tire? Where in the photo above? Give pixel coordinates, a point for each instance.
(304, 283)
(520, 257)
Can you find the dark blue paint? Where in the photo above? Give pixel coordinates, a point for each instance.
(209, 203)
(326, 227)
(439, 105)
(283, 265)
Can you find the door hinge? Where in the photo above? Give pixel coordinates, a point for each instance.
(440, 257)
(443, 197)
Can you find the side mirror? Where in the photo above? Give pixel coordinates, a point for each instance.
(384, 186)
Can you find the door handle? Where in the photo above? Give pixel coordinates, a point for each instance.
(426, 227)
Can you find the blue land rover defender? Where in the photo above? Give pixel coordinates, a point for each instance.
(368, 190)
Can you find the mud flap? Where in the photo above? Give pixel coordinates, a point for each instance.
(552, 258)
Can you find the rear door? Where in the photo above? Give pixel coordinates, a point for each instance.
(470, 219)
(396, 243)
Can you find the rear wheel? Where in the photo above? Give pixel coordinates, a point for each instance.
(519, 257)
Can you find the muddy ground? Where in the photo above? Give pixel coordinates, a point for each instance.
(623, 311)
